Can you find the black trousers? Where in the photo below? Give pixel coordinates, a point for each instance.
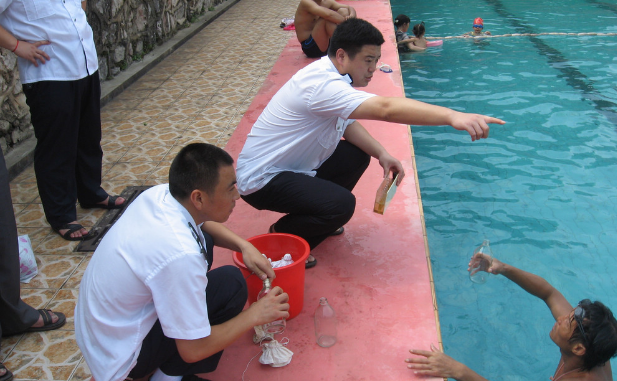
(226, 295)
(315, 206)
(15, 315)
(66, 116)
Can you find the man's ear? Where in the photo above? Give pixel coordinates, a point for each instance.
(579, 349)
(198, 199)
(340, 56)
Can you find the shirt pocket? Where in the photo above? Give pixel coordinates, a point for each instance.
(38, 9)
(331, 135)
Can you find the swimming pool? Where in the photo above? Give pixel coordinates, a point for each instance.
(542, 188)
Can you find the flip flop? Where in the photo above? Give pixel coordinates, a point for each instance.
(8, 376)
(311, 264)
(47, 322)
(111, 204)
(73, 228)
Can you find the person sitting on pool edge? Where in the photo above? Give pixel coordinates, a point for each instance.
(586, 335)
(294, 161)
(404, 42)
(315, 22)
(478, 25)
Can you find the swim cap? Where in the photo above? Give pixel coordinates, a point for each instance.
(478, 21)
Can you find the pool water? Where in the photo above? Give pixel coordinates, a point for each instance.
(542, 188)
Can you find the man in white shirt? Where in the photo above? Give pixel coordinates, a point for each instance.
(294, 160)
(58, 68)
(147, 300)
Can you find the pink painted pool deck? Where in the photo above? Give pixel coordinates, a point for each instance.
(376, 275)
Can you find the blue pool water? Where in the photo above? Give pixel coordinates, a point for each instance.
(542, 188)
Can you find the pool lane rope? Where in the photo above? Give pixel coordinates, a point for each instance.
(524, 35)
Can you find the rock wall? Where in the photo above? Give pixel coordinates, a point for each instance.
(124, 31)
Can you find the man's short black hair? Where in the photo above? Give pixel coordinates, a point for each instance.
(196, 167)
(351, 35)
(600, 337)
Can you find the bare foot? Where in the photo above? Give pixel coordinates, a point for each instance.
(40, 323)
(2, 371)
(76, 234)
(310, 259)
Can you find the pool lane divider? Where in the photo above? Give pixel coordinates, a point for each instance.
(376, 275)
(573, 77)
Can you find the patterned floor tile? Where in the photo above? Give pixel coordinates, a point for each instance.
(51, 355)
(54, 270)
(197, 94)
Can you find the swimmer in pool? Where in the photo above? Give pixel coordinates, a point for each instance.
(586, 334)
(406, 43)
(478, 26)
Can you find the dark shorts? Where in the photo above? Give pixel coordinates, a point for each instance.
(310, 48)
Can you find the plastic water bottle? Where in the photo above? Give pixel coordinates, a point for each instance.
(481, 264)
(325, 324)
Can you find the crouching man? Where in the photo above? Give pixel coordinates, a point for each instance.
(148, 300)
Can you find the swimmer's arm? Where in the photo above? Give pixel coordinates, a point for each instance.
(416, 48)
(435, 363)
(409, 111)
(535, 285)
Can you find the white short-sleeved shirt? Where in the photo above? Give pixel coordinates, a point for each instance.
(62, 22)
(147, 267)
(300, 127)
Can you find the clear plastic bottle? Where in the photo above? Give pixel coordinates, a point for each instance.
(325, 324)
(480, 265)
(277, 326)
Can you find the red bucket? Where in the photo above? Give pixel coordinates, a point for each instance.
(290, 278)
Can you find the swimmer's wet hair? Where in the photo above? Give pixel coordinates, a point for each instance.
(401, 20)
(196, 166)
(351, 35)
(600, 339)
(418, 29)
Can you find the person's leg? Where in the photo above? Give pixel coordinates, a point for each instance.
(16, 316)
(55, 118)
(226, 295)
(322, 31)
(314, 207)
(89, 162)
(345, 166)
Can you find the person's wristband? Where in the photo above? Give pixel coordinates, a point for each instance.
(15, 47)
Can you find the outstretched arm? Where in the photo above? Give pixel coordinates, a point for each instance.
(437, 364)
(409, 111)
(533, 284)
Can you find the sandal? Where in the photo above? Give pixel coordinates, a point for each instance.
(111, 204)
(338, 231)
(47, 322)
(311, 264)
(72, 229)
(8, 376)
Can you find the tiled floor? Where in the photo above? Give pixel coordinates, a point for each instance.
(199, 93)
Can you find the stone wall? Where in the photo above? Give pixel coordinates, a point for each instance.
(124, 31)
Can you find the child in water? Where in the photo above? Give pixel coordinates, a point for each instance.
(406, 43)
(478, 25)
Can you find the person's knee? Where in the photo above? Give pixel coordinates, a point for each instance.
(237, 283)
(345, 206)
